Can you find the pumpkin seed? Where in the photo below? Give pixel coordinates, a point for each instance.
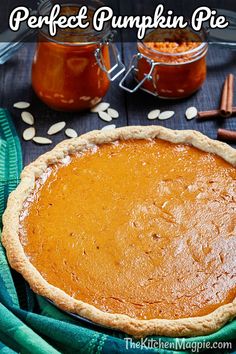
(21, 105)
(154, 114)
(166, 115)
(101, 107)
(71, 133)
(113, 113)
(56, 128)
(191, 113)
(109, 127)
(41, 140)
(105, 116)
(27, 117)
(29, 133)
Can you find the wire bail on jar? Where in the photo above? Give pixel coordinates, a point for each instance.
(151, 68)
(118, 68)
(133, 68)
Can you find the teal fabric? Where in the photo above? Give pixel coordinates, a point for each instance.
(29, 323)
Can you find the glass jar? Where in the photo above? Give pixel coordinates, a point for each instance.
(72, 71)
(172, 69)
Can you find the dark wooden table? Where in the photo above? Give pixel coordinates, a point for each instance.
(15, 85)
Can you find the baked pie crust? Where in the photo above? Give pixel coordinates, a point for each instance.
(189, 326)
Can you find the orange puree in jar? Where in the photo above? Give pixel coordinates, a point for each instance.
(144, 228)
(172, 41)
(180, 60)
(65, 73)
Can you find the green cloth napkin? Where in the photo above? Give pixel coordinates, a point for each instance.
(30, 324)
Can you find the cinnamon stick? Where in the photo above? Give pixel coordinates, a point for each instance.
(226, 105)
(226, 135)
(214, 113)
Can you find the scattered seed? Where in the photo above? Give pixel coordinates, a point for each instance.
(29, 133)
(113, 113)
(154, 114)
(166, 115)
(21, 105)
(71, 133)
(101, 107)
(27, 117)
(56, 128)
(109, 127)
(41, 140)
(105, 116)
(191, 113)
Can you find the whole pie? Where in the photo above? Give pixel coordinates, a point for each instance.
(132, 228)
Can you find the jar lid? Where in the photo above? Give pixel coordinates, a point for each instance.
(226, 37)
(11, 42)
(75, 36)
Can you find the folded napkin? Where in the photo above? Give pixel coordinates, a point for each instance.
(30, 324)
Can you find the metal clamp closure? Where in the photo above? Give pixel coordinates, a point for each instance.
(134, 69)
(118, 68)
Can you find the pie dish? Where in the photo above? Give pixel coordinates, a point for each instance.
(133, 228)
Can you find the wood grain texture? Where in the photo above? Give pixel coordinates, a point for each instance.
(15, 85)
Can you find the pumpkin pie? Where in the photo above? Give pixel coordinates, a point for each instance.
(132, 228)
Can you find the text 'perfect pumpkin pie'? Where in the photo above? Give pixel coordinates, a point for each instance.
(132, 228)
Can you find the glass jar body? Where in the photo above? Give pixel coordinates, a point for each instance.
(67, 77)
(173, 76)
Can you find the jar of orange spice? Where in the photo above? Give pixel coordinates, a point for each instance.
(170, 63)
(72, 71)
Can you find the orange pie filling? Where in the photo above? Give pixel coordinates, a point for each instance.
(145, 228)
